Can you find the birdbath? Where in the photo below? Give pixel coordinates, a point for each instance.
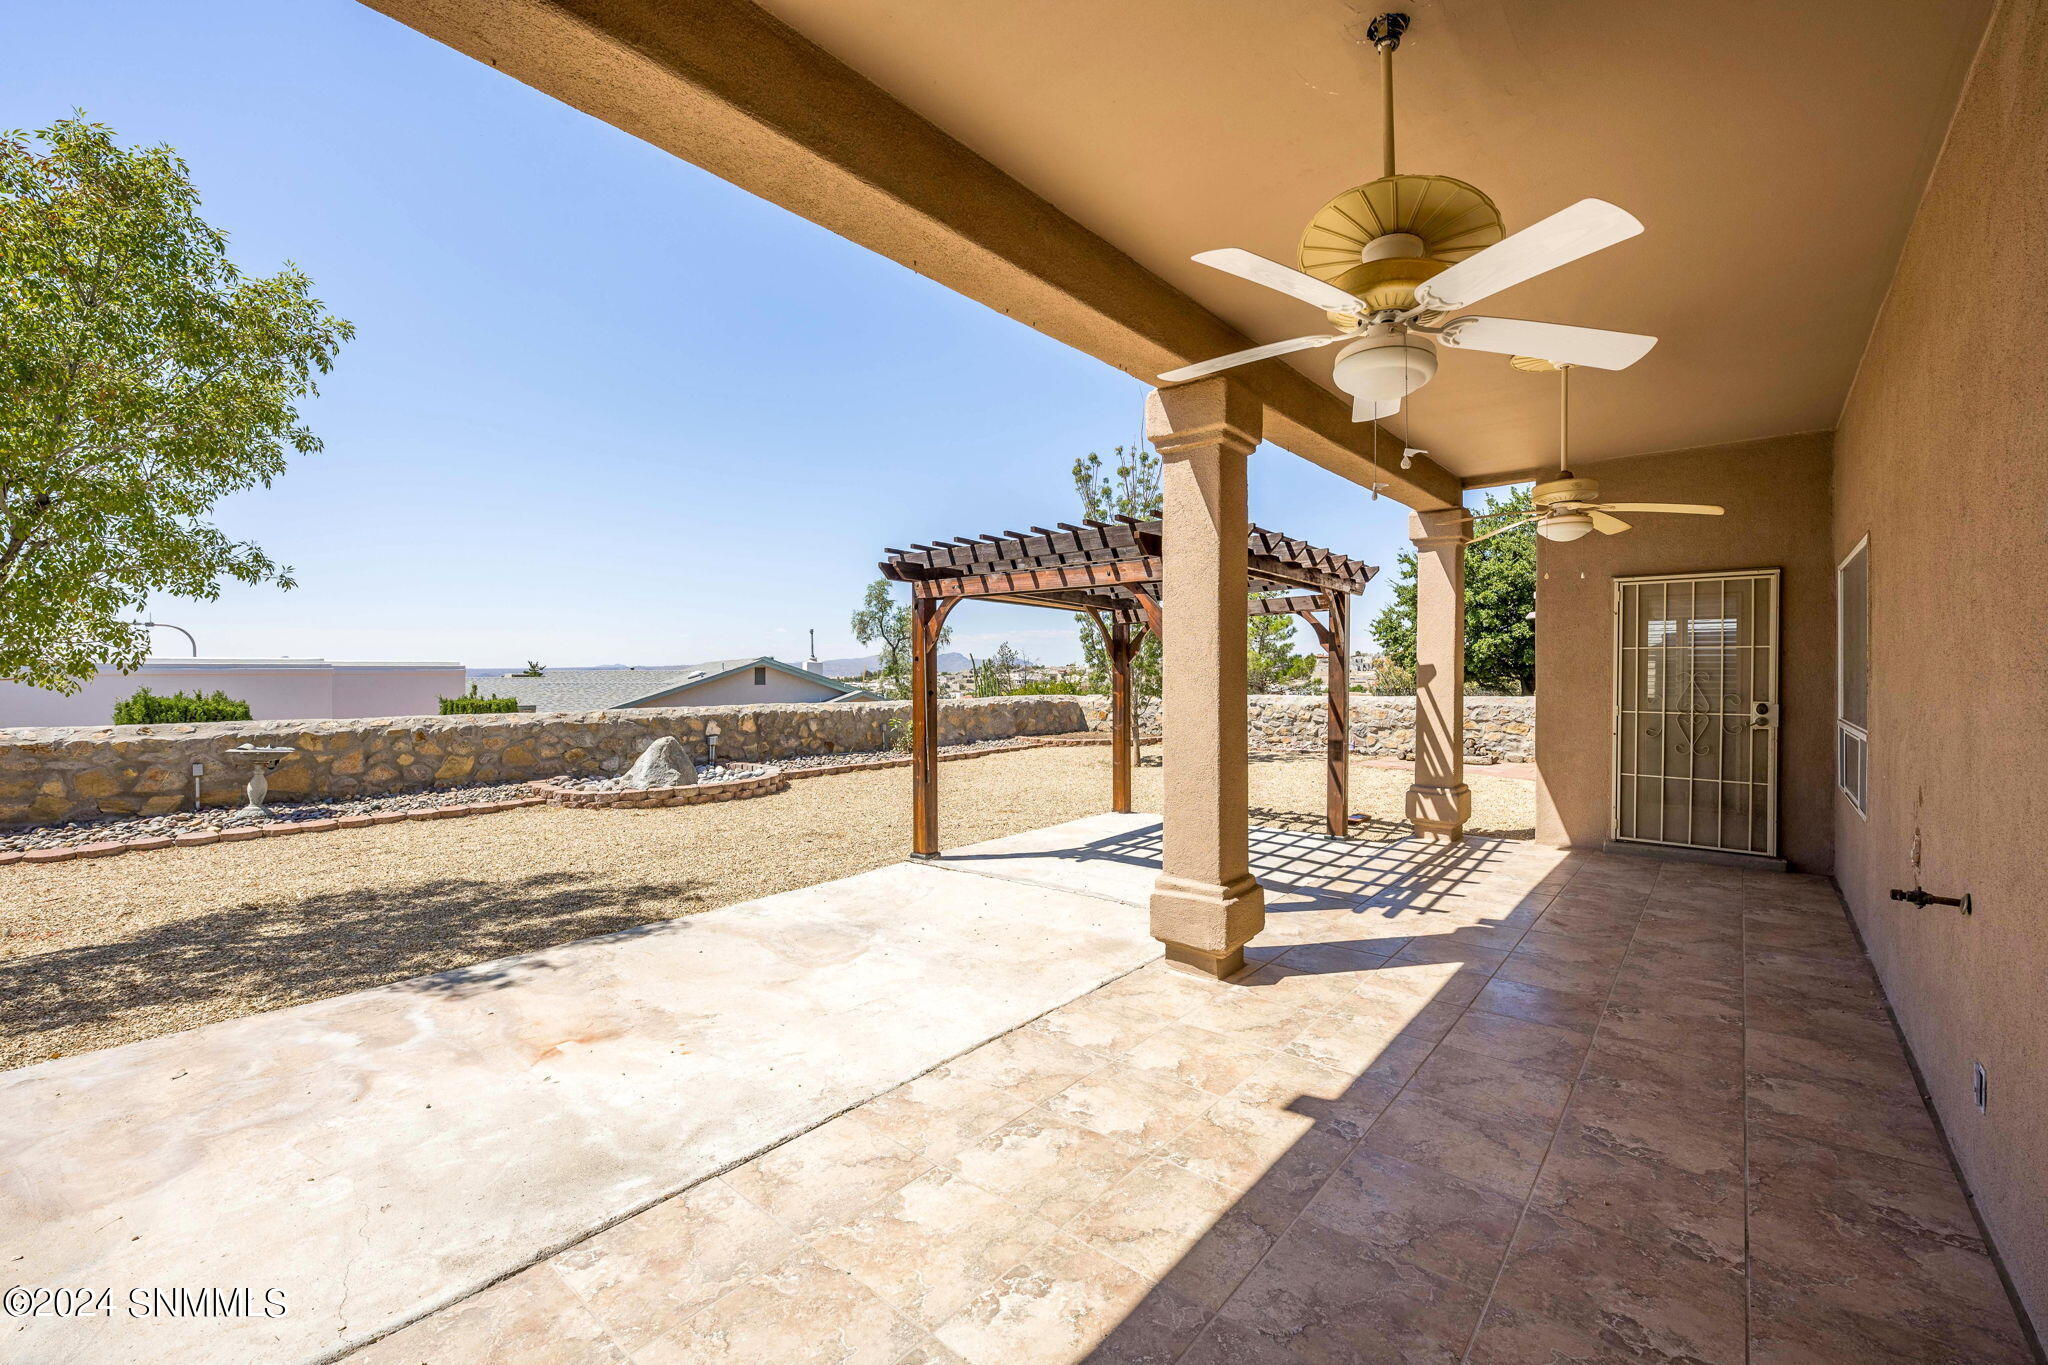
(261, 760)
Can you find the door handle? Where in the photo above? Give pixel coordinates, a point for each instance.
(1763, 716)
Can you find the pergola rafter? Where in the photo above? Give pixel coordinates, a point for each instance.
(1111, 571)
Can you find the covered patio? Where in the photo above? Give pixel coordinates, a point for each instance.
(1441, 1099)
(1490, 1101)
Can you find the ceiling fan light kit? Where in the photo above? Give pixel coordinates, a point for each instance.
(1388, 261)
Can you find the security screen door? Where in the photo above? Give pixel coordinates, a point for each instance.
(1696, 711)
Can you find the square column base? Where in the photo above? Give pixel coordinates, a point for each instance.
(1205, 926)
(1439, 813)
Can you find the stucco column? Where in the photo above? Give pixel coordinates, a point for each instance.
(1206, 905)
(1439, 802)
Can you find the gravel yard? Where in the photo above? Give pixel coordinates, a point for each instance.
(103, 952)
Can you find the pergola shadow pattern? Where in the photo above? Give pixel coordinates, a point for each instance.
(1486, 1103)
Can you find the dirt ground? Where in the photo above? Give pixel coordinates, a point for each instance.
(102, 952)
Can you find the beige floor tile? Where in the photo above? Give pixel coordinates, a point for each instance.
(1139, 1107)
(1250, 1016)
(1418, 1216)
(1539, 1004)
(1196, 1057)
(1239, 1144)
(827, 1174)
(1476, 1082)
(1105, 1026)
(1538, 1047)
(1178, 1230)
(931, 1246)
(1341, 1101)
(1046, 1165)
(656, 1268)
(1030, 1062)
(1500, 1151)
(802, 1310)
(1070, 1302)
(1321, 1295)
(940, 1112)
(530, 1319)
(1668, 1302)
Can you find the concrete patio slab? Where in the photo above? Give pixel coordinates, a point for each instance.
(377, 1155)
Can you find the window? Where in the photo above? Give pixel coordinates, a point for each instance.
(1852, 677)
(760, 677)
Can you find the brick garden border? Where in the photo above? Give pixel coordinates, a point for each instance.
(555, 793)
(701, 794)
(270, 830)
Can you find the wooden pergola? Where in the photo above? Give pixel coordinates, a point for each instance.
(1111, 571)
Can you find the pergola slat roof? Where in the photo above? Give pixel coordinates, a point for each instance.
(1100, 563)
(1112, 570)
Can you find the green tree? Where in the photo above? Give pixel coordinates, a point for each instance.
(1129, 488)
(884, 622)
(534, 669)
(996, 676)
(1500, 594)
(1271, 662)
(143, 377)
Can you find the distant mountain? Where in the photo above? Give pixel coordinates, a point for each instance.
(853, 668)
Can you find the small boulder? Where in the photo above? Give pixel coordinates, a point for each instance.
(664, 763)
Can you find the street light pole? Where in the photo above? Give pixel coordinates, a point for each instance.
(165, 625)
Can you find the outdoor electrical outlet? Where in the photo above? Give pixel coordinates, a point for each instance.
(1983, 1089)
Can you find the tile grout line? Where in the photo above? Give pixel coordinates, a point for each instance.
(1635, 929)
(1748, 1249)
(1339, 1164)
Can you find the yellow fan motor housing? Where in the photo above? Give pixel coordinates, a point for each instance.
(1448, 220)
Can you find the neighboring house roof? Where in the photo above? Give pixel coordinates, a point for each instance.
(606, 689)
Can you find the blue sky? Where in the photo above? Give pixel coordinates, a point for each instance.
(602, 407)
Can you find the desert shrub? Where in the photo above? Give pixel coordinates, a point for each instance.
(147, 708)
(1046, 687)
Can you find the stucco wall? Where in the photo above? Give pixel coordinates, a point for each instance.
(1776, 493)
(1942, 460)
(276, 689)
(49, 775)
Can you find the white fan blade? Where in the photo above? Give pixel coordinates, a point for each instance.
(1367, 410)
(1235, 358)
(1552, 341)
(1503, 530)
(1250, 266)
(1604, 524)
(1691, 509)
(1586, 227)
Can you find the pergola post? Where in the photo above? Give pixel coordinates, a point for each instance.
(1439, 802)
(1337, 719)
(1206, 905)
(926, 617)
(1122, 729)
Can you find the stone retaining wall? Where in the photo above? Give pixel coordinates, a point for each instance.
(1497, 729)
(50, 775)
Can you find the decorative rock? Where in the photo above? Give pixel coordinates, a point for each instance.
(663, 763)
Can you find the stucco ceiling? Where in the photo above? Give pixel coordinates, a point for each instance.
(1775, 154)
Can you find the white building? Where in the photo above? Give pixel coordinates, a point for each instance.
(276, 689)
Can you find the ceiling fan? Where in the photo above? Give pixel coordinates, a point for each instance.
(1569, 507)
(1387, 261)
